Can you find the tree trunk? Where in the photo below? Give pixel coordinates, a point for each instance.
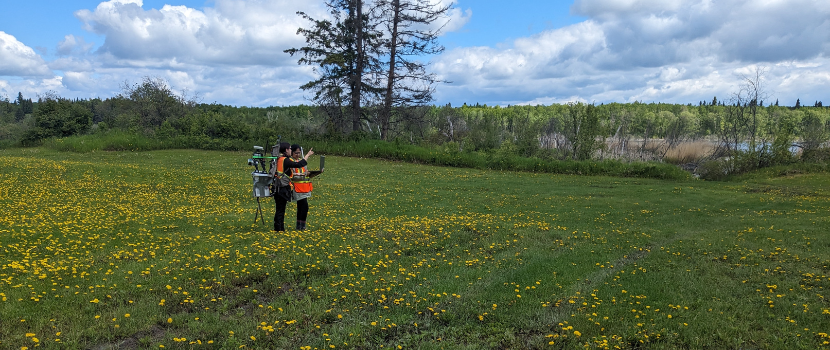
(390, 82)
(357, 77)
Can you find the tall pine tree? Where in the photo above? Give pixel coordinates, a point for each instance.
(21, 111)
(340, 52)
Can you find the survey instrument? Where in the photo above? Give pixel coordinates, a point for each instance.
(262, 178)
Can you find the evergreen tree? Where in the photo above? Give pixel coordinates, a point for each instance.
(715, 101)
(57, 117)
(798, 103)
(339, 51)
(19, 114)
(28, 106)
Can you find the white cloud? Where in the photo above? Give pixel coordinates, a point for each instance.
(648, 50)
(79, 81)
(234, 32)
(231, 53)
(19, 60)
(29, 87)
(456, 17)
(73, 45)
(72, 64)
(245, 85)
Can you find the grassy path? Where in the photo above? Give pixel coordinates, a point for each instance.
(151, 249)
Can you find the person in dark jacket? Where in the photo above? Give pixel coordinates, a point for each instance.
(282, 192)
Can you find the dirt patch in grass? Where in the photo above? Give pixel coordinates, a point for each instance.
(153, 334)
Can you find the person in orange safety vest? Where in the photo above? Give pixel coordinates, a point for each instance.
(301, 183)
(280, 170)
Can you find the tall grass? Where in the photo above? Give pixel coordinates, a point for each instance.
(689, 152)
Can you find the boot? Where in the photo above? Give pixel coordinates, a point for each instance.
(300, 225)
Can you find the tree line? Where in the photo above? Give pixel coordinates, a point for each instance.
(762, 135)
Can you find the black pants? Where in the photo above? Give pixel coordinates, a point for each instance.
(281, 198)
(279, 213)
(302, 210)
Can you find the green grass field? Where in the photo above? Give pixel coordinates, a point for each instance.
(110, 250)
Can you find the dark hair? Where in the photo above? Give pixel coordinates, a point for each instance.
(284, 146)
(295, 147)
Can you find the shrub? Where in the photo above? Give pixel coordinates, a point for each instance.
(716, 169)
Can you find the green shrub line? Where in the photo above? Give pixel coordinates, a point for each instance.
(504, 158)
(116, 140)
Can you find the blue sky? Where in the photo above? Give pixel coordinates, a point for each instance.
(497, 52)
(494, 23)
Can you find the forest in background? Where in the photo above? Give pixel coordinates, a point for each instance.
(730, 137)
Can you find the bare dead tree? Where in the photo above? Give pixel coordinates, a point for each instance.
(618, 121)
(739, 124)
(410, 33)
(754, 95)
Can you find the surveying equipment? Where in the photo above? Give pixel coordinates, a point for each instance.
(258, 159)
(262, 178)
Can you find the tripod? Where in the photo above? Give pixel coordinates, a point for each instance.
(259, 212)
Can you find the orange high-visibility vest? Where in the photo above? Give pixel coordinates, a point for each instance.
(280, 178)
(280, 165)
(300, 180)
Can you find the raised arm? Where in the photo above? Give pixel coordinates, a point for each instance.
(288, 163)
